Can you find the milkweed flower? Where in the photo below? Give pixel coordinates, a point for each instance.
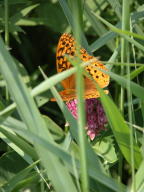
(95, 116)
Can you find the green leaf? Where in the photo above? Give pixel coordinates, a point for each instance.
(55, 130)
(106, 149)
(120, 130)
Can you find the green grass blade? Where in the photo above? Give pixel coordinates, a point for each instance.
(18, 177)
(78, 29)
(70, 18)
(15, 18)
(6, 5)
(99, 28)
(102, 41)
(8, 138)
(31, 116)
(112, 59)
(20, 143)
(125, 56)
(93, 172)
(136, 72)
(116, 7)
(136, 89)
(140, 178)
(94, 166)
(123, 33)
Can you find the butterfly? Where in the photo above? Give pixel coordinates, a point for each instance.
(67, 46)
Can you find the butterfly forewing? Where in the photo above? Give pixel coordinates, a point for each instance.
(65, 47)
(93, 69)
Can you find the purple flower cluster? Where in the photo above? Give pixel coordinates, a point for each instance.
(95, 115)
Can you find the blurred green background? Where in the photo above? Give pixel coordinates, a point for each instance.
(31, 30)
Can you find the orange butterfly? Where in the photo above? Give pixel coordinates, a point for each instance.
(67, 46)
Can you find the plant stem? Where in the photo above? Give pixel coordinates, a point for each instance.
(6, 18)
(125, 58)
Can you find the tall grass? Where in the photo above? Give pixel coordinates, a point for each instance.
(38, 152)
